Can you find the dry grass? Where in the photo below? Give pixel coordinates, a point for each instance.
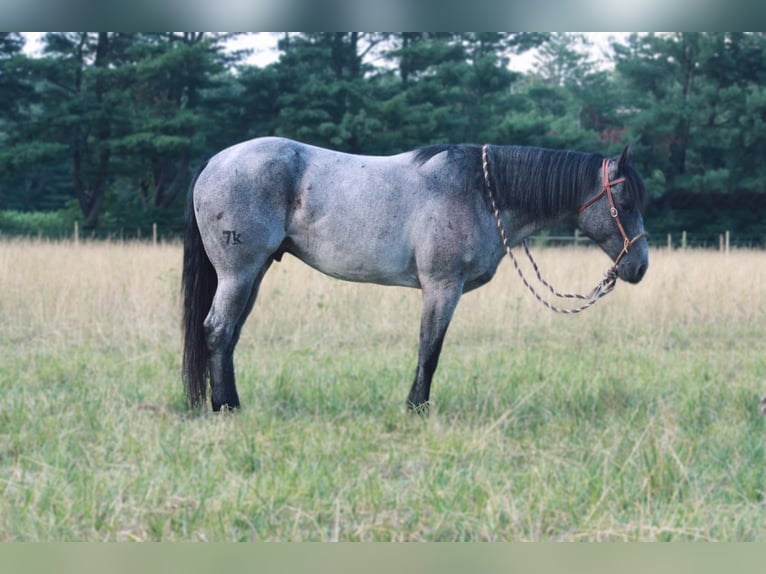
(638, 420)
(54, 290)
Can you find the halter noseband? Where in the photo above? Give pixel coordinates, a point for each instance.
(606, 188)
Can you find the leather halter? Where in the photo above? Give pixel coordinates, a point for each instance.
(606, 189)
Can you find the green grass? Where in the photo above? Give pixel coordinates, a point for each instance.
(638, 420)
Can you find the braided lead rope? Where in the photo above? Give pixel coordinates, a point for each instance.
(604, 287)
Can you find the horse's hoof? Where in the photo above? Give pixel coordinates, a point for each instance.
(421, 409)
(226, 407)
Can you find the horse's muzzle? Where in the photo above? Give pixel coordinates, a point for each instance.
(633, 266)
(633, 260)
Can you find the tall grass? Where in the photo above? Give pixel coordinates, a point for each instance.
(637, 420)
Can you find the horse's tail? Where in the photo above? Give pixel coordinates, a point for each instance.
(198, 284)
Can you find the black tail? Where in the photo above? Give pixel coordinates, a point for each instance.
(198, 284)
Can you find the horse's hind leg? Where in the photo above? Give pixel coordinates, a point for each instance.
(233, 301)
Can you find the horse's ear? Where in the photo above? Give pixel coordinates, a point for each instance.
(625, 158)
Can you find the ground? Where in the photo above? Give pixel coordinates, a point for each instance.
(637, 420)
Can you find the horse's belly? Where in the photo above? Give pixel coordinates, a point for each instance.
(357, 258)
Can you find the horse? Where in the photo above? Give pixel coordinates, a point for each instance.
(422, 219)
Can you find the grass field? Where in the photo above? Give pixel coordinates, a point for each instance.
(637, 420)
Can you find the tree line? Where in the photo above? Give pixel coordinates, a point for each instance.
(107, 128)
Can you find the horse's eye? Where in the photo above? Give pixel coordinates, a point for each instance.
(625, 200)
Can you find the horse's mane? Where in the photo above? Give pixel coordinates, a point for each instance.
(544, 183)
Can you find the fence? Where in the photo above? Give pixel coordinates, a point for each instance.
(154, 236)
(723, 242)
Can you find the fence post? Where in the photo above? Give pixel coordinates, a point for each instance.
(727, 241)
(76, 233)
(577, 237)
(683, 240)
(670, 242)
(154, 234)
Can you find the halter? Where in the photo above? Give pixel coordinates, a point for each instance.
(607, 283)
(606, 188)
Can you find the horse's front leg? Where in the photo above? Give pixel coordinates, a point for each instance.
(439, 302)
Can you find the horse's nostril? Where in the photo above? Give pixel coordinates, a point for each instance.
(641, 271)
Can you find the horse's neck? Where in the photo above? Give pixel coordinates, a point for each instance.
(519, 226)
(525, 224)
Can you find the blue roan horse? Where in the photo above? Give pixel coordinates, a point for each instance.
(418, 219)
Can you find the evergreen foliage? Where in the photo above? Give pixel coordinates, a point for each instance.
(109, 127)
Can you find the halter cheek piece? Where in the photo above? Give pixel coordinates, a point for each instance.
(606, 188)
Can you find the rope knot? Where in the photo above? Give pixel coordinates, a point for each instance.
(610, 275)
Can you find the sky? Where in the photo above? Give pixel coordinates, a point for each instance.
(264, 46)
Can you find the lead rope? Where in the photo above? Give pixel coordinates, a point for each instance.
(604, 287)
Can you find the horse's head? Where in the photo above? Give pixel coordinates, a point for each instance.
(612, 218)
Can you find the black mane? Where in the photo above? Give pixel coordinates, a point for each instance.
(541, 182)
(423, 154)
